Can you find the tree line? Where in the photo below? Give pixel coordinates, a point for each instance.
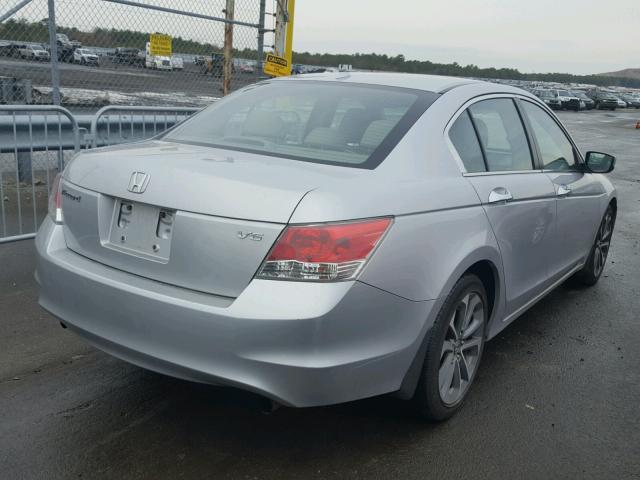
(22, 30)
(398, 63)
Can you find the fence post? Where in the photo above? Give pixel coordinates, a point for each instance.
(53, 52)
(25, 173)
(228, 47)
(261, 32)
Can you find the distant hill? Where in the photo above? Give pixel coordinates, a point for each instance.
(632, 73)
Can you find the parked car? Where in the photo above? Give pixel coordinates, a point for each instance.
(66, 47)
(297, 69)
(366, 272)
(549, 97)
(128, 56)
(589, 104)
(603, 100)
(247, 68)
(7, 49)
(177, 63)
(34, 52)
(568, 101)
(84, 56)
(631, 101)
(621, 103)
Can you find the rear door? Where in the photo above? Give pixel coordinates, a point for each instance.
(578, 193)
(518, 199)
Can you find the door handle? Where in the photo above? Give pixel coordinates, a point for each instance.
(563, 190)
(500, 194)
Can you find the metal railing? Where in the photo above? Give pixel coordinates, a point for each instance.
(121, 124)
(35, 142)
(26, 173)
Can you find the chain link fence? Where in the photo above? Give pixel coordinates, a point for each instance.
(111, 89)
(103, 55)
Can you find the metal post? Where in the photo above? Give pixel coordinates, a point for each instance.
(14, 10)
(228, 47)
(53, 51)
(25, 170)
(261, 32)
(181, 12)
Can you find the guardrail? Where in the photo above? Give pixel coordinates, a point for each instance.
(35, 141)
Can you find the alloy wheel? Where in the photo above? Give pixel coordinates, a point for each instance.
(603, 241)
(462, 348)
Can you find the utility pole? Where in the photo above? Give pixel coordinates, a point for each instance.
(227, 68)
(281, 25)
(284, 31)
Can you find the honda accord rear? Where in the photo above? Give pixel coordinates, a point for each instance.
(306, 239)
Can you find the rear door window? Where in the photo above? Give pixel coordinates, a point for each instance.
(502, 135)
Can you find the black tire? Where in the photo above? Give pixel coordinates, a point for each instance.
(428, 397)
(593, 267)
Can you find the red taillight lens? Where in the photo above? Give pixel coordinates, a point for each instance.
(323, 252)
(55, 200)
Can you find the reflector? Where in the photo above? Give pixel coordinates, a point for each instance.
(55, 200)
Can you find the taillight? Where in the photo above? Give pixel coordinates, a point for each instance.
(55, 200)
(329, 252)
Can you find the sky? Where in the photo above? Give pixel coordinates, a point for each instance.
(574, 36)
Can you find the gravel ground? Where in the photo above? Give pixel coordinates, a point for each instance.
(556, 395)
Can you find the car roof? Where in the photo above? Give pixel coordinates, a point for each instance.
(429, 83)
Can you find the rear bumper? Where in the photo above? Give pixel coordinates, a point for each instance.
(297, 343)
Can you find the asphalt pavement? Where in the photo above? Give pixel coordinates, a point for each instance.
(118, 79)
(556, 396)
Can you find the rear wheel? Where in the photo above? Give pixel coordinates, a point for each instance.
(590, 273)
(454, 350)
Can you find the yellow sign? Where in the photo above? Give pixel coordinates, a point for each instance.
(160, 45)
(276, 66)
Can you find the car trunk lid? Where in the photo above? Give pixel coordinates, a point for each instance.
(190, 216)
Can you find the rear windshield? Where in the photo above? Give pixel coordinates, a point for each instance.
(323, 122)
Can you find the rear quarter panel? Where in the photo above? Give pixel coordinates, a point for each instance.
(439, 229)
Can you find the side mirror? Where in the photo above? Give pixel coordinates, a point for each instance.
(600, 162)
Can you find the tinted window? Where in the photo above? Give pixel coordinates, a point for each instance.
(324, 122)
(502, 135)
(556, 151)
(465, 140)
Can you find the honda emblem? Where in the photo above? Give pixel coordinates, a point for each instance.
(138, 182)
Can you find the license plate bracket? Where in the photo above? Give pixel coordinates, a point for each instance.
(141, 230)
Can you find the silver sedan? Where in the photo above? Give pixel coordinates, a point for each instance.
(327, 238)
